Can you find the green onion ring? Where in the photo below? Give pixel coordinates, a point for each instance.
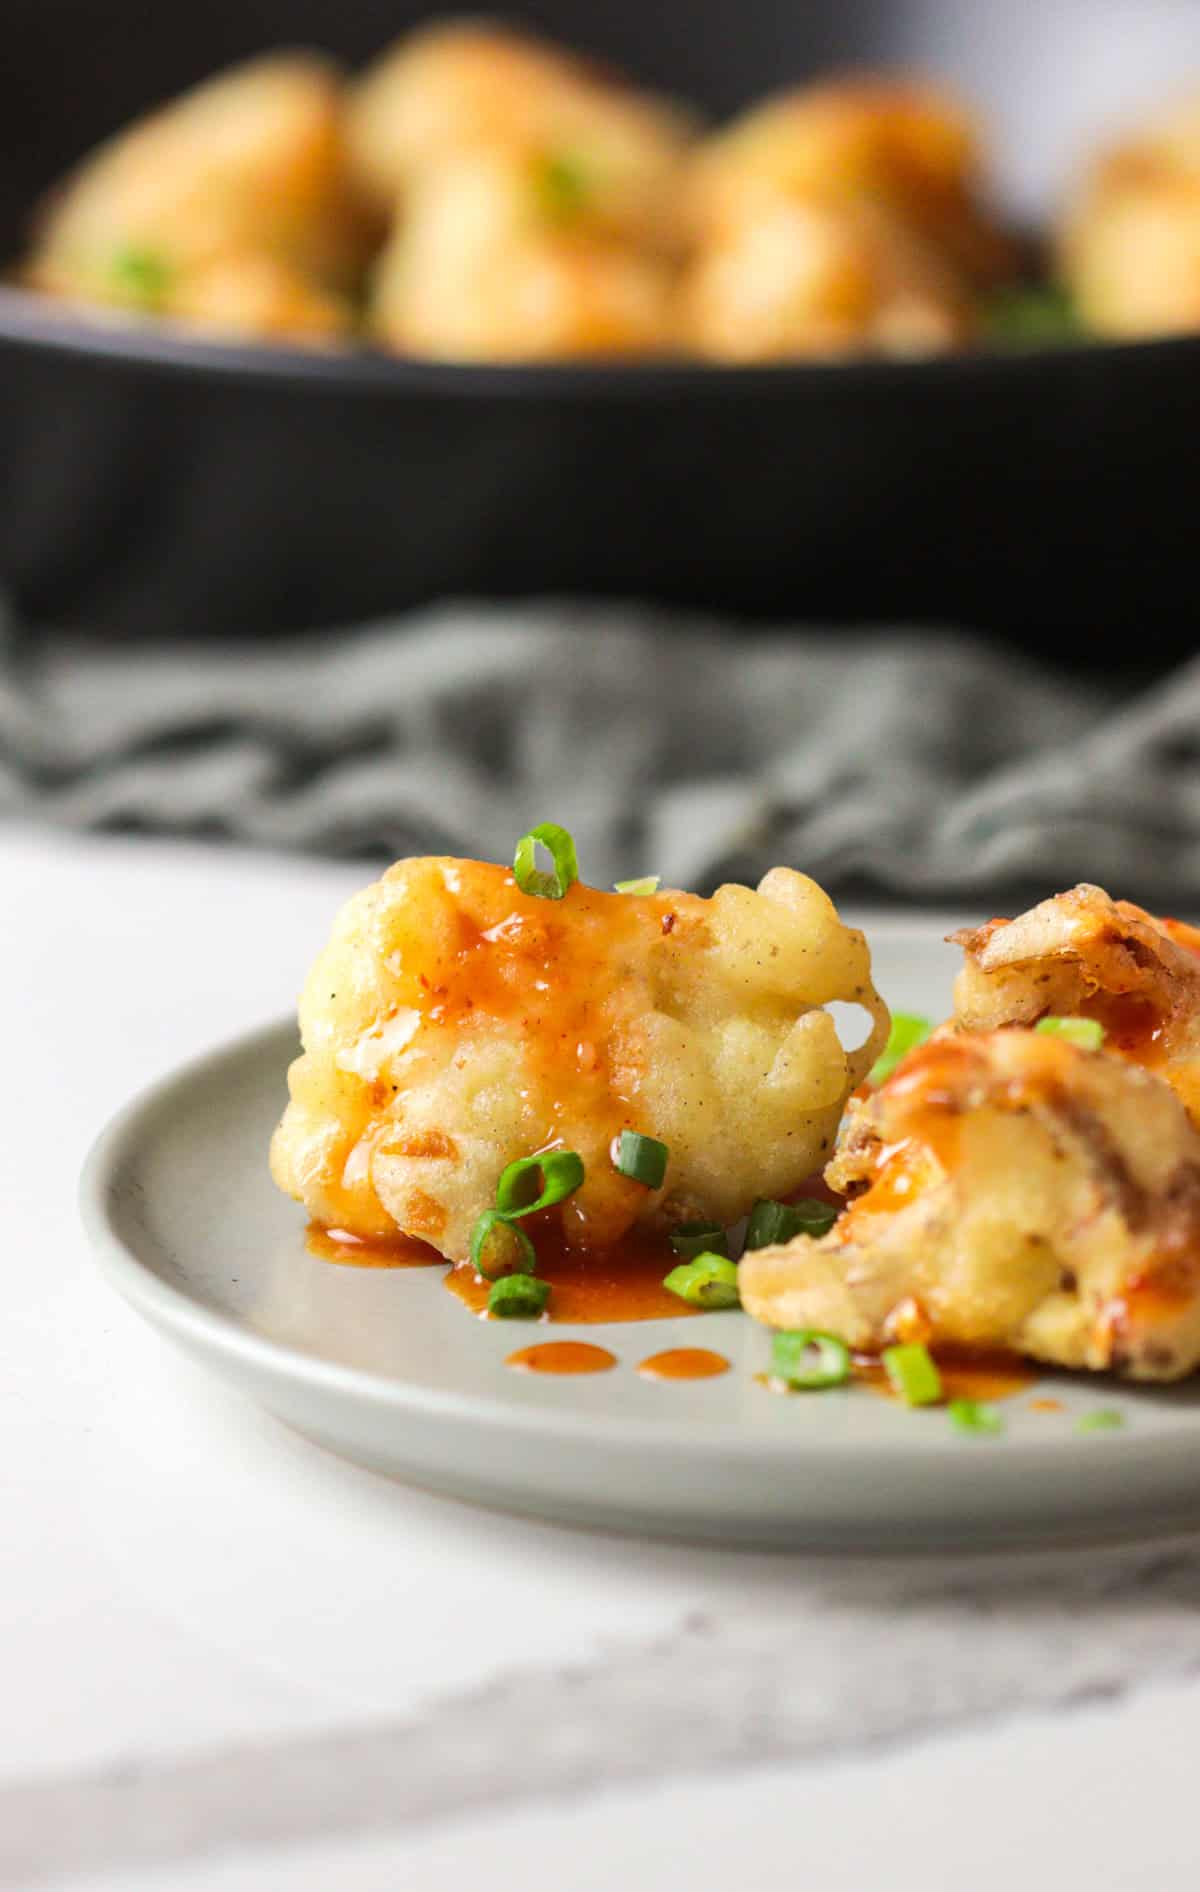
(808, 1360)
(518, 1297)
(559, 1171)
(1087, 1033)
(649, 883)
(908, 1030)
(690, 1239)
(561, 849)
(643, 1158)
(707, 1281)
(913, 1374)
(517, 1253)
(773, 1223)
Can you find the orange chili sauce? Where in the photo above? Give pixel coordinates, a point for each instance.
(377, 1251)
(684, 1363)
(621, 1283)
(562, 1356)
(965, 1375)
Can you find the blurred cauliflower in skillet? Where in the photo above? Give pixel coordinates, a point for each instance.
(454, 1023)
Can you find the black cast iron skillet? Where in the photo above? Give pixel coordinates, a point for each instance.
(152, 482)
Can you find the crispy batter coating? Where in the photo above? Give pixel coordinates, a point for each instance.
(453, 1024)
(488, 264)
(1129, 241)
(465, 86)
(839, 218)
(233, 199)
(1019, 1192)
(1084, 954)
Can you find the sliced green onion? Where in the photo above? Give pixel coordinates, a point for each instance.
(772, 1223)
(142, 275)
(690, 1239)
(643, 1158)
(913, 1374)
(707, 1281)
(1087, 1033)
(649, 883)
(563, 185)
(1106, 1419)
(908, 1031)
(537, 1182)
(809, 1360)
(1032, 316)
(970, 1415)
(518, 1297)
(561, 849)
(499, 1247)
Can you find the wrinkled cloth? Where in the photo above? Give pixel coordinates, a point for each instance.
(912, 762)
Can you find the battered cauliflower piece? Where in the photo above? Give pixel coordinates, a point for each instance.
(796, 278)
(1083, 954)
(245, 172)
(840, 218)
(611, 155)
(1020, 1193)
(488, 265)
(1129, 244)
(454, 1024)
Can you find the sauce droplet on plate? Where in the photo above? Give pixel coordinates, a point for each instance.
(358, 1251)
(1045, 1405)
(684, 1363)
(562, 1356)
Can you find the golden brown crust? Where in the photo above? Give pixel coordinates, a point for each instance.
(1021, 1193)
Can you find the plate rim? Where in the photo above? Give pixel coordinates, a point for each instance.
(175, 1311)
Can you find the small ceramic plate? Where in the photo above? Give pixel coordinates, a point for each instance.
(387, 1368)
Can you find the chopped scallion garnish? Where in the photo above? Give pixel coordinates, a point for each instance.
(908, 1031)
(537, 1182)
(707, 1281)
(913, 1374)
(1105, 1419)
(518, 1297)
(773, 1223)
(643, 1158)
(142, 275)
(649, 883)
(563, 184)
(1087, 1033)
(970, 1415)
(561, 849)
(809, 1361)
(500, 1247)
(690, 1239)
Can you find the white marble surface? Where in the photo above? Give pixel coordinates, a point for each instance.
(230, 1661)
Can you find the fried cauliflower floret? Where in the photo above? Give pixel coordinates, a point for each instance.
(454, 1023)
(1129, 245)
(609, 153)
(245, 171)
(1019, 1193)
(488, 264)
(794, 277)
(839, 218)
(1084, 954)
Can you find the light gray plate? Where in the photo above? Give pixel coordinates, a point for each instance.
(388, 1369)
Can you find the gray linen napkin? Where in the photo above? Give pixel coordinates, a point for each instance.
(918, 762)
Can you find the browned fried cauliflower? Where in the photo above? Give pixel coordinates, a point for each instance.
(228, 208)
(1018, 1192)
(1084, 954)
(840, 218)
(454, 1023)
